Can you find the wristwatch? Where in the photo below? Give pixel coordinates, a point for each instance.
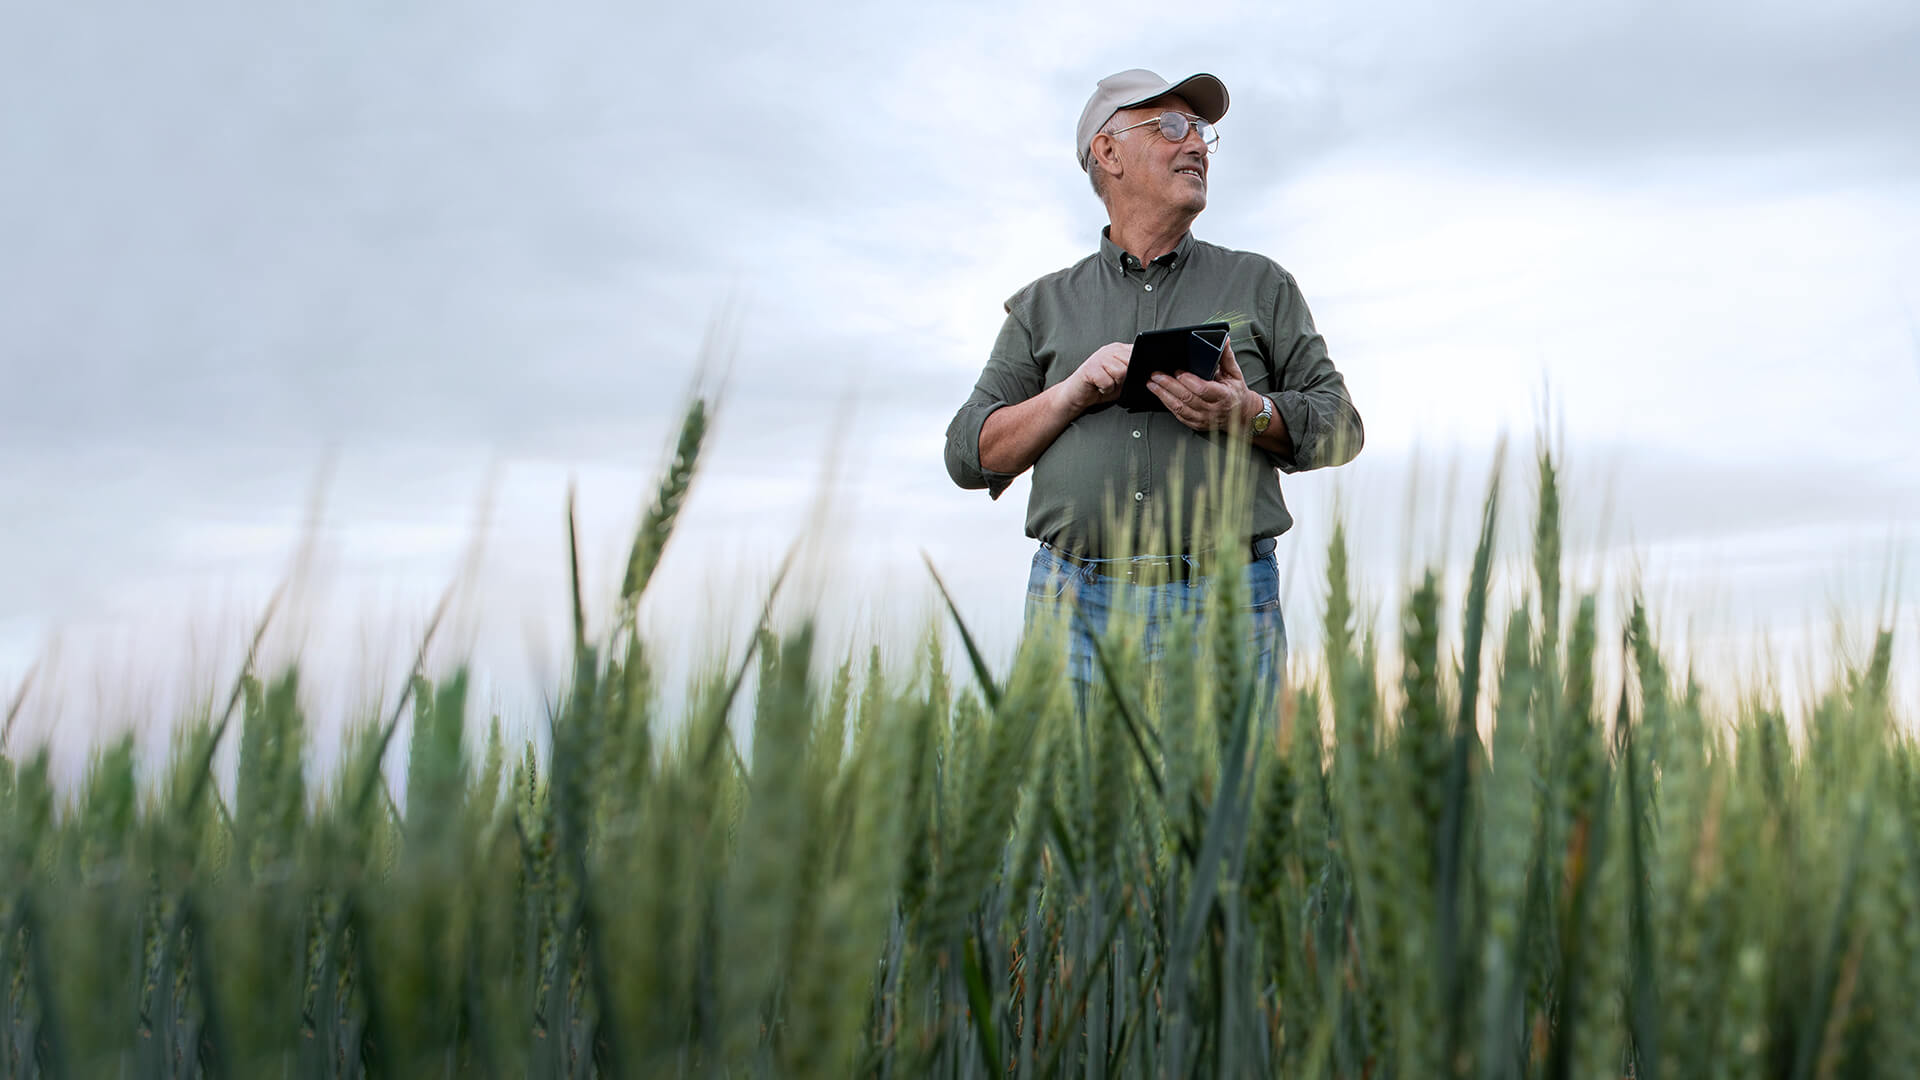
(1266, 416)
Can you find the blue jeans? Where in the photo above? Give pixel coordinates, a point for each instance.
(1055, 583)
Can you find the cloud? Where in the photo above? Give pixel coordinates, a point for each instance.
(1628, 88)
(239, 238)
(296, 228)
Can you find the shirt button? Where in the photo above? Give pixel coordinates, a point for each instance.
(1149, 288)
(1138, 495)
(1136, 434)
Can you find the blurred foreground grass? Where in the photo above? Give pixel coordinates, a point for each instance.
(908, 874)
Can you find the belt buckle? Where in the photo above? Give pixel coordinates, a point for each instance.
(1156, 571)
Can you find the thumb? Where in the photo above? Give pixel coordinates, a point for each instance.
(1228, 365)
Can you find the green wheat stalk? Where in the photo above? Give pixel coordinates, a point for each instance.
(656, 527)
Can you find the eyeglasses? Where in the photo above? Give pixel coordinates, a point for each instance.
(1174, 127)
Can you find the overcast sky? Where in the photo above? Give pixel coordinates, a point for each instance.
(421, 265)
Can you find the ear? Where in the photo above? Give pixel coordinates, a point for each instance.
(1106, 154)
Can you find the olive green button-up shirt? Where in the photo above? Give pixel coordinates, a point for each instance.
(1142, 469)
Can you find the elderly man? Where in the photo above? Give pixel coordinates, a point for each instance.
(1114, 489)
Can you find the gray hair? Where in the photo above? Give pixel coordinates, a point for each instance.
(1094, 174)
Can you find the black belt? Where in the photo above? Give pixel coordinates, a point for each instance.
(1154, 569)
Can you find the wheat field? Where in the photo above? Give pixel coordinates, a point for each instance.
(1486, 864)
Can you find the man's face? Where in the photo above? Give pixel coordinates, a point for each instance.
(1168, 173)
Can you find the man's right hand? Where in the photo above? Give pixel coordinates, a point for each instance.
(1099, 378)
(1013, 437)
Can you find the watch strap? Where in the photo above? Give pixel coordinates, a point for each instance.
(1265, 417)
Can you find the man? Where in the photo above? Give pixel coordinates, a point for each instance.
(1115, 491)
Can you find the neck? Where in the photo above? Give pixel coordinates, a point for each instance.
(1147, 233)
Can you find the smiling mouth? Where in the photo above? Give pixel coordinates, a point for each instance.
(1195, 173)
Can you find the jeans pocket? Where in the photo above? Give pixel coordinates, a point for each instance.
(1050, 576)
(1263, 584)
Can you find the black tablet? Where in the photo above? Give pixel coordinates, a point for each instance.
(1180, 348)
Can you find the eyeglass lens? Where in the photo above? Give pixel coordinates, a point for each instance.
(1173, 126)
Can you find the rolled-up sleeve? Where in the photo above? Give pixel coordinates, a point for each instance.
(1011, 376)
(1310, 395)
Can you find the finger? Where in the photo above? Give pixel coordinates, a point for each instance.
(1181, 411)
(1167, 397)
(1228, 365)
(1173, 388)
(1200, 388)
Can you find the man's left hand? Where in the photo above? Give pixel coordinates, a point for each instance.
(1207, 405)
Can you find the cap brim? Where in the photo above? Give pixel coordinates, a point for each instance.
(1206, 93)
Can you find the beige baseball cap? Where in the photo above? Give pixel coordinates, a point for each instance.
(1137, 86)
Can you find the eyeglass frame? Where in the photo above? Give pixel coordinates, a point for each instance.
(1193, 122)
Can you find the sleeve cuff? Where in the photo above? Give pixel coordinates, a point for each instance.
(1293, 410)
(963, 452)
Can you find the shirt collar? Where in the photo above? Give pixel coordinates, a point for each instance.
(1112, 254)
